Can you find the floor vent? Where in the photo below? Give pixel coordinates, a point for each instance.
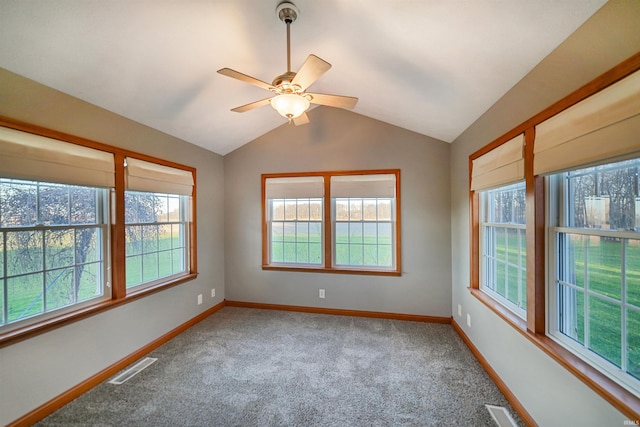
(501, 416)
(135, 369)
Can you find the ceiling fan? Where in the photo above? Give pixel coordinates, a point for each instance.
(290, 97)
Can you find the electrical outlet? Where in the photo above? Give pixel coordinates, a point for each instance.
(199, 299)
(213, 292)
(468, 320)
(321, 293)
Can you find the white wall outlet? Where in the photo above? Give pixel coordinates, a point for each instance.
(199, 299)
(468, 320)
(459, 310)
(321, 293)
(213, 292)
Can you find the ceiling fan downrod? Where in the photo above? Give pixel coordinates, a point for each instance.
(288, 13)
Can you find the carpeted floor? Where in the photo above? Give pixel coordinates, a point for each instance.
(248, 367)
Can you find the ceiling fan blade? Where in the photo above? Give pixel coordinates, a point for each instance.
(245, 78)
(310, 71)
(301, 120)
(251, 106)
(333, 100)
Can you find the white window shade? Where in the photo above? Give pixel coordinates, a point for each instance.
(294, 187)
(604, 126)
(27, 156)
(151, 177)
(373, 185)
(500, 166)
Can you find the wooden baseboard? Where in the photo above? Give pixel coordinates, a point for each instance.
(511, 398)
(341, 312)
(66, 397)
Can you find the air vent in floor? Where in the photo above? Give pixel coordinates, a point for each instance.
(135, 369)
(501, 416)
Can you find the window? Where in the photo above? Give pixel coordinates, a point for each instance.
(580, 165)
(503, 246)
(327, 221)
(83, 223)
(594, 287)
(157, 212)
(53, 247)
(295, 220)
(156, 236)
(497, 179)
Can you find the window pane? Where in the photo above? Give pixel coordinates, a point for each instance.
(60, 288)
(605, 329)
(342, 232)
(18, 203)
(369, 209)
(303, 210)
(289, 232)
(290, 210)
(604, 266)
(24, 297)
(632, 273)
(315, 253)
(342, 209)
(633, 343)
(90, 281)
(134, 270)
(277, 252)
(355, 209)
(277, 231)
(315, 232)
(164, 236)
(88, 248)
(277, 210)
(355, 254)
(59, 248)
(290, 252)
(572, 267)
(355, 233)
(149, 267)
(384, 209)
(54, 204)
(571, 307)
(24, 252)
(315, 208)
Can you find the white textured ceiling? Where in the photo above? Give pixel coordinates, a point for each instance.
(431, 66)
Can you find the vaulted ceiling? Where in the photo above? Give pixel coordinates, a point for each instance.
(430, 66)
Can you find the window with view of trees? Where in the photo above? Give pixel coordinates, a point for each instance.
(156, 236)
(81, 224)
(595, 290)
(503, 249)
(360, 209)
(580, 162)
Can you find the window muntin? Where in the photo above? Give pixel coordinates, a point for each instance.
(594, 247)
(53, 248)
(364, 232)
(156, 235)
(503, 246)
(296, 231)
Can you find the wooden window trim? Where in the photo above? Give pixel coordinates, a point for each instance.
(534, 328)
(328, 247)
(119, 294)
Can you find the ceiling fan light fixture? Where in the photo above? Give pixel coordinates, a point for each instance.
(289, 105)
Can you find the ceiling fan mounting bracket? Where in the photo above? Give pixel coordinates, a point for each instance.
(287, 12)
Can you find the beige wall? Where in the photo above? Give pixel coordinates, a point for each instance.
(341, 140)
(551, 395)
(39, 369)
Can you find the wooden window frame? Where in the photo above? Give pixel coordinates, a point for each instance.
(534, 328)
(327, 266)
(119, 293)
